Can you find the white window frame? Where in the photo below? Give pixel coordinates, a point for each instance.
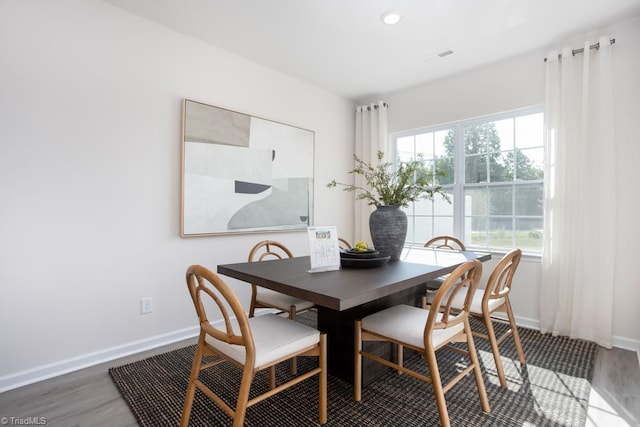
(458, 187)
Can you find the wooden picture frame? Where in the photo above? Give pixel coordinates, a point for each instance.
(243, 174)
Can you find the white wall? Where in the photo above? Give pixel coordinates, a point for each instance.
(518, 83)
(90, 116)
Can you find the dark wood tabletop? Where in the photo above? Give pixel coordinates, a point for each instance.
(349, 287)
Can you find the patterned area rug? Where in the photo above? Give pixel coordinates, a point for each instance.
(551, 390)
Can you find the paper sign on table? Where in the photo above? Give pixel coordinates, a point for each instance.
(324, 248)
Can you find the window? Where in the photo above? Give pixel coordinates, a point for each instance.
(493, 171)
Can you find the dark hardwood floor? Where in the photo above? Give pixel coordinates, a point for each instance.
(89, 398)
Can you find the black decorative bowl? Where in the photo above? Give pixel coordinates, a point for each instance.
(364, 262)
(352, 253)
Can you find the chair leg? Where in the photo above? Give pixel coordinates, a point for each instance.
(243, 397)
(254, 301)
(514, 332)
(294, 361)
(357, 363)
(427, 298)
(491, 334)
(400, 357)
(188, 402)
(322, 381)
(438, 391)
(272, 377)
(477, 372)
(191, 389)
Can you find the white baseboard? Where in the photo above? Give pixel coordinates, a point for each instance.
(40, 373)
(524, 322)
(618, 342)
(627, 344)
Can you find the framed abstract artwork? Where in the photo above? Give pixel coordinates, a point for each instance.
(243, 174)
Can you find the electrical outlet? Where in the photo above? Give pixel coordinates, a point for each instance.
(146, 305)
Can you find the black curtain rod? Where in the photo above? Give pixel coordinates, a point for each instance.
(375, 107)
(574, 52)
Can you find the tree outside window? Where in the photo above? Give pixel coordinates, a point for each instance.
(494, 172)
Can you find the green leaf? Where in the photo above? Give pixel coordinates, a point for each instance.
(410, 182)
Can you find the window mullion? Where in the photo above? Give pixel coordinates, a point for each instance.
(458, 183)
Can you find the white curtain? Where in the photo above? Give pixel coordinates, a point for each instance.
(578, 274)
(372, 135)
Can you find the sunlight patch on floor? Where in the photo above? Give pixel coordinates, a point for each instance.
(602, 414)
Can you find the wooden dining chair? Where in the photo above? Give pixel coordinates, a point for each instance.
(267, 298)
(344, 244)
(445, 242)
(253, 344)
(495, 299)
(426, 332)
(439, 242)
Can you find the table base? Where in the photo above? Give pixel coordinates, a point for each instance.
(339, 326)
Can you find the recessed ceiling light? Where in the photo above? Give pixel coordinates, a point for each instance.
(390, 17)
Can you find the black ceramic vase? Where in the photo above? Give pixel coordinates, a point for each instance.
(388, 228)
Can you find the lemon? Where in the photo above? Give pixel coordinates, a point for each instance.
(361, 247)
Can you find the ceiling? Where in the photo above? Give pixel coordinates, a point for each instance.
(343, 47)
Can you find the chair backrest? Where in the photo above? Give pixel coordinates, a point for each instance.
(344, 244)
(206, 287)
(269, 249)
(501, 278)
(442, 315)
(446, 242)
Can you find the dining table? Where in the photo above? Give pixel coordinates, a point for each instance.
(347, 294)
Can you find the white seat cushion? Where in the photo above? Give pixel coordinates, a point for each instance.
(274, 337)
(476, 303)
(281, 301)
(406, 324)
